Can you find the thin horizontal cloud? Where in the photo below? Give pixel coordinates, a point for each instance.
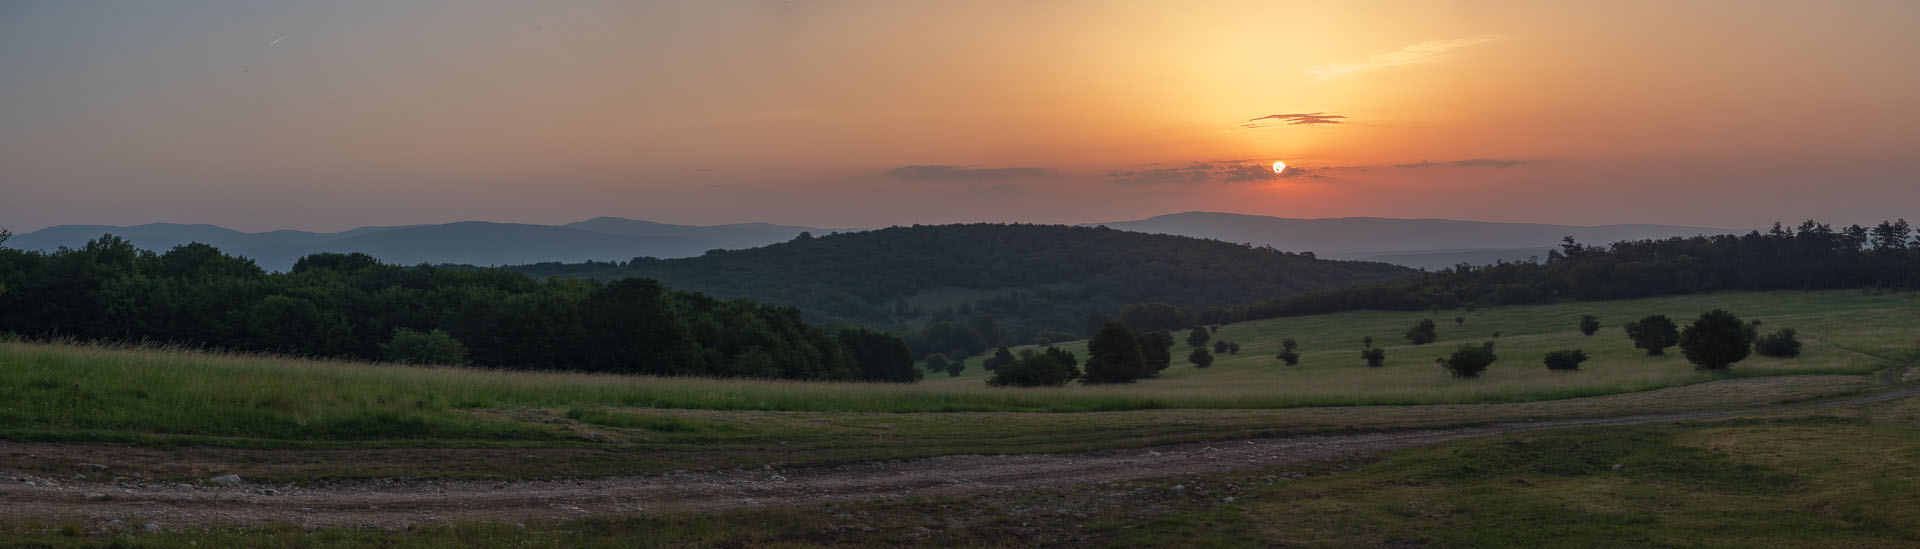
(1203, 172)
(936, 172)
(1412, 54)
(1468, 163)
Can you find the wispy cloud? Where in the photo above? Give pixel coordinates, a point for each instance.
(1294, 119)
(936, 172)
(1412, 54)
(1468, 163)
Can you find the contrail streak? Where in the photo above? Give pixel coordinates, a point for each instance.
(277, 40)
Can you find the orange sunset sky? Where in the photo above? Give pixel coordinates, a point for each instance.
(331, 115)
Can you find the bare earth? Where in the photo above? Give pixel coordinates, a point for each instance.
(393, 503)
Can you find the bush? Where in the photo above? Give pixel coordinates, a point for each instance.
(1288, 351)
(1469, 360)
(1000, 357)
(1780, 343)
(1567, 360)
(1716, 340)
(1200, 357)
(1422, 333)
(957, 366)
(1589, 324)
(1375, 357)
(1050, 368)
(1220, 346)
(1198, 336)
(1157, 348)
(431, 347)
(1233, 348)
(1654, 333)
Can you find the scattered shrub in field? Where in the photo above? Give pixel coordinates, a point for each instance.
(1220, 346)
(1198, 336)
(1654, 333)
(1468, 360)
(1422, 333)
(1459, 321)
(1050, 368)
(1233, 348)
(1589, 324)
(954, 368)
(1780, 343)
(1289, 351)
(1366, 342)
(1113, 355)
(1716, 340)
(1200, 357)
(1375, 357)
(430, 347)
(938, 362)
(1566, 360)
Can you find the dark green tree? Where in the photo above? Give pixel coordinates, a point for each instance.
(1469, 360)
(1233, 347)
(878, 356)
(1716, 340)
(1423, 332)
(1200, 357)
(429, 347)
(1375, 357)
(1198, 336)
(937, 362)
(954, 368)
(1289, 351)
(1459, 321)
(1157, 347)
(1655, 333)
(1000, 357)
(1220, 346)
(1565, 360)
(1780, 343)
(1113, 356)
(1589, 324)
(1050, 368)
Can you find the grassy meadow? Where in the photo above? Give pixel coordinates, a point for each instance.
(63, 392)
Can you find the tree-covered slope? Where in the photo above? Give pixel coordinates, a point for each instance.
(1031, 279)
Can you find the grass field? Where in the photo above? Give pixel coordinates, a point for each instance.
(53, 392)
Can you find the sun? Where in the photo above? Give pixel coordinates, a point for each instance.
(1279, 167)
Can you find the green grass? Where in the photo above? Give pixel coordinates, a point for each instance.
(1845, 332)
(58, 392)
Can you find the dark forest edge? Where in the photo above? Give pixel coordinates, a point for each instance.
(352, 306)
(1812, 256)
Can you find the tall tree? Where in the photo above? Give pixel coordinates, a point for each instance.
(1113, 356)
(1655, 333)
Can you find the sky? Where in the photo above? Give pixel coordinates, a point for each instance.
(333, 115)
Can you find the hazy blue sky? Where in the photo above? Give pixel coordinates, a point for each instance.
(330, 115)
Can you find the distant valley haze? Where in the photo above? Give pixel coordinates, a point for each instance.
(1419, 243)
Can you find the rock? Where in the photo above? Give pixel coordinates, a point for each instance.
(1179, 487)
(306, 509)
(1617, 466)
(90, 466)
(269, 492)
(777, 479)
(79, 476)
(152, 527)
(116, 523)
(226, 480)
(1228, 500)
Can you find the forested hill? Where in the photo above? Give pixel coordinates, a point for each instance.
(1031, 279)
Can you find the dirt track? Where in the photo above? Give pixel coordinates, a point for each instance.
(397, 503)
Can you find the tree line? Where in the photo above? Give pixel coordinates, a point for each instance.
(352, 306)
(1811, 256)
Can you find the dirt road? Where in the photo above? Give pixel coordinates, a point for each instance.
(397, 503)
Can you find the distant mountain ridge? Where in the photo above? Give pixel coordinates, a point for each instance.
(1419, 243)
(466, 242)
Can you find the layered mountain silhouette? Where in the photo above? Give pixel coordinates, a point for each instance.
(468, 242)
(1419, 243)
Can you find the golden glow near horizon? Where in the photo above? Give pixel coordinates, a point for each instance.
(867, 114)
